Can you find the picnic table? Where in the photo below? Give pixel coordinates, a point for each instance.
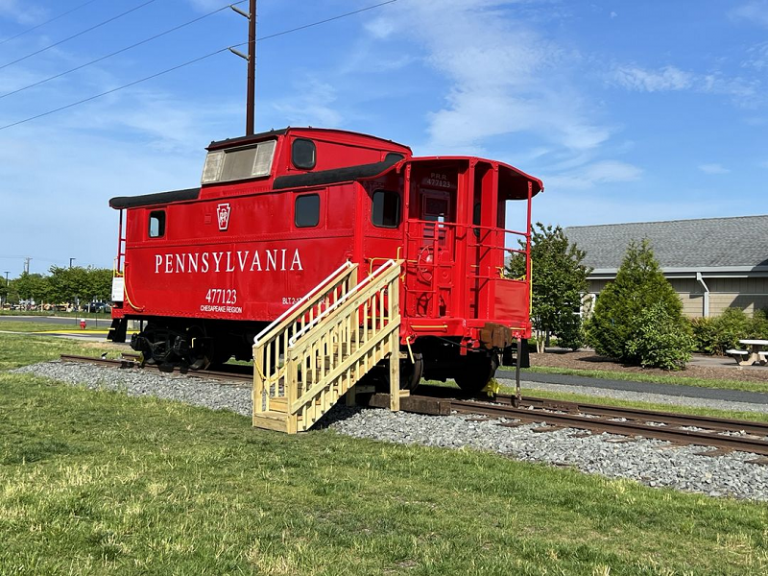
(756, 354)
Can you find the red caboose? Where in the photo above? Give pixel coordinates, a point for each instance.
(205, 269)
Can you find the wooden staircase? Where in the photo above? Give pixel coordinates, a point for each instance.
(317, 351)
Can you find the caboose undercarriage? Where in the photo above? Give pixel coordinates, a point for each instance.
(194, 344)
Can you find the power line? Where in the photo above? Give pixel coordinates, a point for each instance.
(188, 63)
(92, 28)
(339, 17)
(132, 46)
(47, 21)
(134, 83)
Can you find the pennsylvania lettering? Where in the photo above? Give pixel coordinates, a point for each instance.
(275, 260)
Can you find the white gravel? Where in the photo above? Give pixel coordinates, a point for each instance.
(651, 462)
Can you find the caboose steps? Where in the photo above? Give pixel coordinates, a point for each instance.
(307, 360)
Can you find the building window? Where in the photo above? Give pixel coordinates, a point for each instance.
(307, 211)
(304, 154)
(386, 209)
(157, 224)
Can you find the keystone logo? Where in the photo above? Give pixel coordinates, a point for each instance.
(222, 213)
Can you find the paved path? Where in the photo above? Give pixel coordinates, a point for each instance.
(63, 320)
(639, 387)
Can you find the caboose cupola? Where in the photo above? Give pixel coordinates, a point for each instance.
(253, 163)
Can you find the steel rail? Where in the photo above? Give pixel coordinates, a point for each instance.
(669, 418)
(131, 362)
(122, 363)
(626, 428)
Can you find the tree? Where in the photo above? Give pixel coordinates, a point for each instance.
(621, 314)
(4, 290)
(98, 284)
(32, 287)
(559, 283)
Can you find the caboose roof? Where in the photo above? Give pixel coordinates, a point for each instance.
(306, 131)
(512, 180)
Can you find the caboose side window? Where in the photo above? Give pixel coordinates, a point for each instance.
(307, 211)
(157, 224)
(304, 154)
(386, 209)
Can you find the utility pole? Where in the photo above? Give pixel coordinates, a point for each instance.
(7, 288)
(26, 264)
(250, 116)
(70, 261)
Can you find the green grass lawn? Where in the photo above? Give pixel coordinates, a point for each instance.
(100, 483)
(19, 350)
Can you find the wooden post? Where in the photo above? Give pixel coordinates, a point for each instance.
(291, 382)
(518, 395)
(258, 382)
(394, 371)
(393, 293)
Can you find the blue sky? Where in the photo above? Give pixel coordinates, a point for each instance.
(629, 111)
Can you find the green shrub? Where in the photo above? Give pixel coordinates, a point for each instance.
(639, 286)
(572, 336)
(759, 325)
(716, 335)
(661, 340)
(706, 337)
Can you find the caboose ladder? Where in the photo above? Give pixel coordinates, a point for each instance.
(321, 347)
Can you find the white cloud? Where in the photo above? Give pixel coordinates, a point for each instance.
(667, 78)
(592, 175)
(21, 12)
(755, 12)
(505, 77)
(757, 57)
(713, 169)
(381, 28)
(312, 105)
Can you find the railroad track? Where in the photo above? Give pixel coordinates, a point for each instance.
(724, 434)
(134, 361)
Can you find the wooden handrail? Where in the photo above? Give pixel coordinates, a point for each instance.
(294, 310)
(366, 281)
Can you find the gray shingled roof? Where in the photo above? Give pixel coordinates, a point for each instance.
(707, 243)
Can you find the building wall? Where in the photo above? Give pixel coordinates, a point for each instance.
(749, 294)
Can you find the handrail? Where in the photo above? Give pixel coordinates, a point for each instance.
(300, 302)
(367, 280)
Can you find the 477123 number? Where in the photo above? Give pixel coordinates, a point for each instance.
(221, 296)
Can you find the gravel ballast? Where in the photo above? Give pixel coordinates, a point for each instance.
(652, 462)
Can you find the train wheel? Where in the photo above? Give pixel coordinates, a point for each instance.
(477, 371)
(156, 345)
(198, 355)
(411, 372)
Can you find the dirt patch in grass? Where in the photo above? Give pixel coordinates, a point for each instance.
(703, 367)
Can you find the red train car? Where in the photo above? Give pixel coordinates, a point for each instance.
(205, 269)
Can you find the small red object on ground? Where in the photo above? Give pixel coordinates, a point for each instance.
(82, 324)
